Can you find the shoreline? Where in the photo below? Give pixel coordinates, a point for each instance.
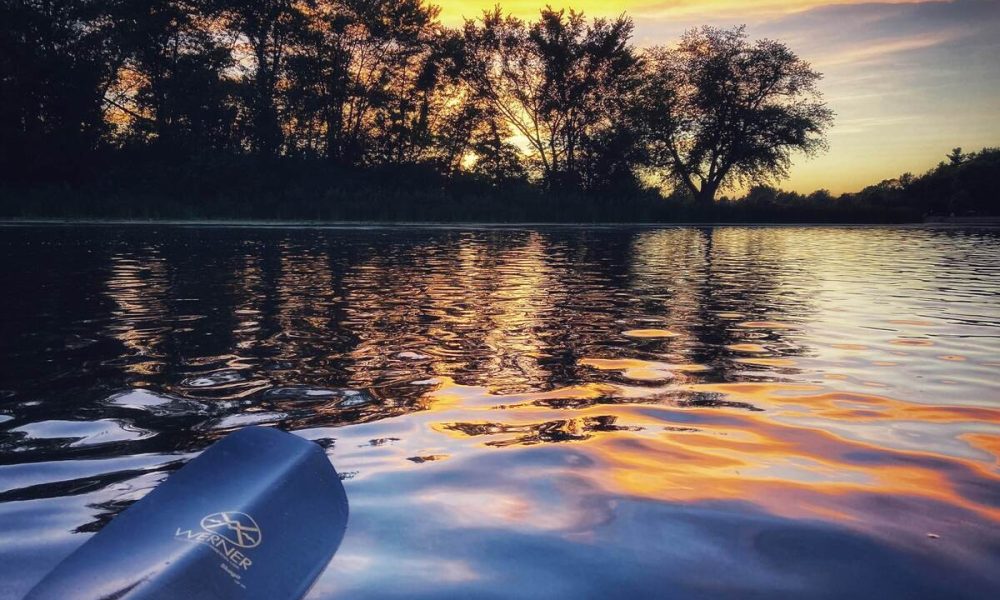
(280, 224)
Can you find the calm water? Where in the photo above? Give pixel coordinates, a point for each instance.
(681, 412)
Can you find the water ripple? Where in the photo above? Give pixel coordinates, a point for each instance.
(537, 412)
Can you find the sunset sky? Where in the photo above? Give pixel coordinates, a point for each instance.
(908, 80)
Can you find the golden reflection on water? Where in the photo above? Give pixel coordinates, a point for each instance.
(787, 447)
(471, 330)
(764, 456)
(248, 286)
(137, 284)
(685, 366)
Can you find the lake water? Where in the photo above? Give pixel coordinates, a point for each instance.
(532, 413)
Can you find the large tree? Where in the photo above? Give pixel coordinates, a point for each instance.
(719, 109)
(560, 82)
(267, 32)
(366, 85)
(171, 88)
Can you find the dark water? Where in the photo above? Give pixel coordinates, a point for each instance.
(683, 412)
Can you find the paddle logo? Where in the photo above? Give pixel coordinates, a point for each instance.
(236, 527)
(229, 534)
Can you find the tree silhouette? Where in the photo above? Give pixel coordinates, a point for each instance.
(560, 82)
(955, 157)
(720, 109)
(373, 109)
(56, 59)
(171, 87)
(496, 159)
(267, 31)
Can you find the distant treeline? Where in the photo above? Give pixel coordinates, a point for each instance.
(964, 185)
(372, 109)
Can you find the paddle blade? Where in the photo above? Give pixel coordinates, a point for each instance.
(257, 515)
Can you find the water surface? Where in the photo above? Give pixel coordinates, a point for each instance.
(535, 413)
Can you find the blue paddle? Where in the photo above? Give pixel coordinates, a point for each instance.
(257, 515)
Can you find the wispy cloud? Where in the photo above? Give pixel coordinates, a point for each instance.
(865, 53)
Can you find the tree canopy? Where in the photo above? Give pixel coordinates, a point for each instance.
(564, 101)
(719, 109)
(373, 109)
